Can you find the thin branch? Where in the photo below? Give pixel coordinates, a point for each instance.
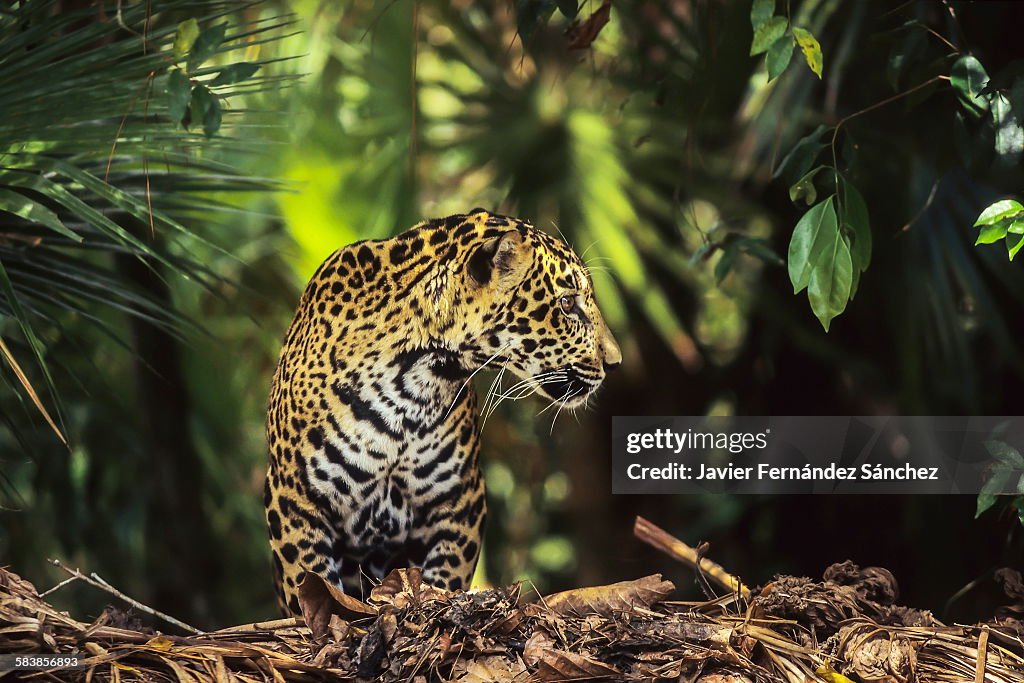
(888, 100)
(927, 205)
(98, 582)
(657, 537)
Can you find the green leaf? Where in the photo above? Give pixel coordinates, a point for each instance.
(766, 34)
(529, 13)
(1012, 250)
(992, 488)
(760, 248)
(760, 12)
(185, 37)
(206, 108)
(726, 262)
(1005, 453)
(30, 210)
(569, 8)
(206, 45)
(993, 233)
(811, 49)
(235, 73)
(968, 78)
(831, 280)
(179, 92)
(814, 232)
(804, 188)
(778, 57)
(854, 222)
(800, 159)
(997, 211)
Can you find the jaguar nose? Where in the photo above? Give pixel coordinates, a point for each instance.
(611, 355)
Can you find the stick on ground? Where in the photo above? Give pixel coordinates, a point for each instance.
(656, 537)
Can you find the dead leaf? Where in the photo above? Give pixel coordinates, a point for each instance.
(161, 643)
(318, 600)
(724, 677)
(403, 587)
(606, 600)
(582, 35)
(560, 665)
(489, 669)
(538, 643)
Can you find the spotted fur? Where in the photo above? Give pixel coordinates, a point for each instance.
(373, 422)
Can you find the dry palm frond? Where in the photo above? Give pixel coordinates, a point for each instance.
(793, 630)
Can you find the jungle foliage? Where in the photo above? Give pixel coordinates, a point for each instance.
(711, 160)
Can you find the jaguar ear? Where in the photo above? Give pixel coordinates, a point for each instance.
(501, 259)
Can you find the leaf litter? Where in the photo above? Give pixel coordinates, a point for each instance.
(846, 627)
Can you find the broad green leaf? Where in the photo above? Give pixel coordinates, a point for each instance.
(804, 188)
(854, 222)
(853, 213)
(993, 233)
(1005, 453)
(1012, 250)
(529, 13)
(778, 57)
(569, 8)
(831, 279)
(206, 45)
(968, 78)
(760, 12)
(997, 211)
(235, 73)
(1017, 226)
(30, 210)
(800, 159)
(212, 118)
(179, 92)
(200, 103)
(725, 262)
(766, 34)
(760, 248)
(812, 237)
(185, 37)
(992, 487)
(811, 49)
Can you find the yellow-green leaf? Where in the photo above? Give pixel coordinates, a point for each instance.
(811, 49)
(185, 37)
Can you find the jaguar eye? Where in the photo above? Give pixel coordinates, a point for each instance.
(566, 303)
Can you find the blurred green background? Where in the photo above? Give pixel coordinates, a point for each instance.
(658, 149)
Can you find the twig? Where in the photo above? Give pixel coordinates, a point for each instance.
(95, 580)
(927, 204)
(657, 537)
(888, 100)
(70, 579)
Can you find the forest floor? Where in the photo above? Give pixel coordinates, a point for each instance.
(846, 627)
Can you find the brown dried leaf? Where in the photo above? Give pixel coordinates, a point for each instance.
(616, 597)
(560, 665)
(582, 35)
(403, 587)
(489, 669)
(538, 643)
(318, 600)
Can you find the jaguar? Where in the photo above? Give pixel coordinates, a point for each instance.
(373, 422)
